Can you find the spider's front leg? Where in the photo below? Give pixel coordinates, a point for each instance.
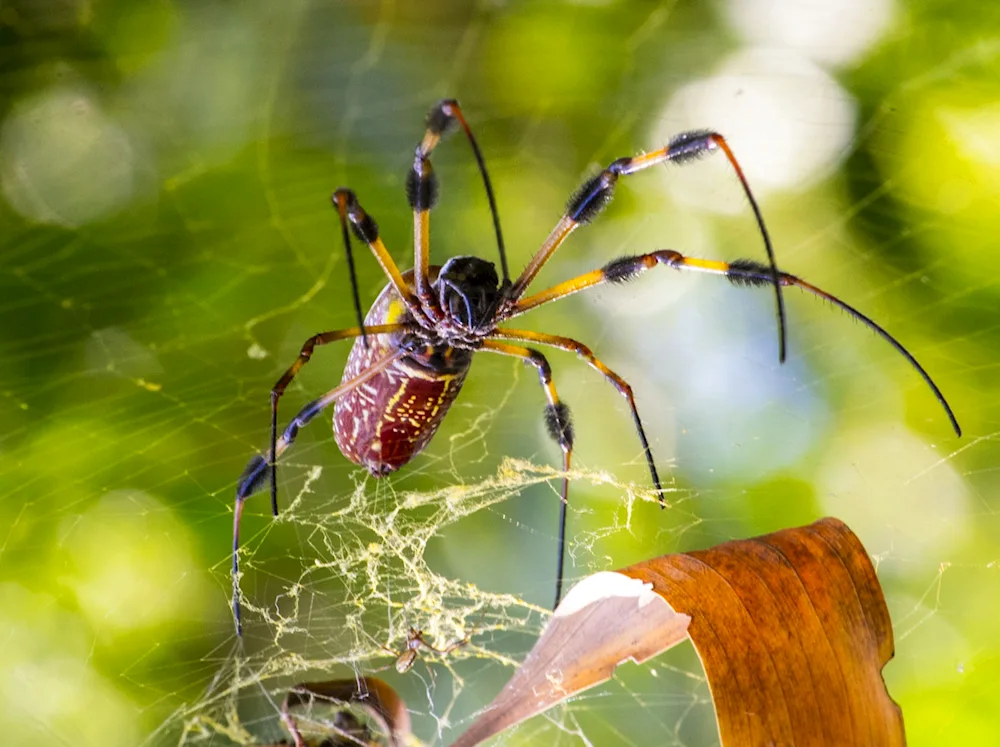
(559, 426)
(741, 272)
(422, 193)
(594, 196)
(365, 229)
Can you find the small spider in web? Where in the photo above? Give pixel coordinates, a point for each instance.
(415, 641)
(414, 348)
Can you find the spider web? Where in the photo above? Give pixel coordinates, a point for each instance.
(168, 245)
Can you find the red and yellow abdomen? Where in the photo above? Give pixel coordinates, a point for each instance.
(386, 421)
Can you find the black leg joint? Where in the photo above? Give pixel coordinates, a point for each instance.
(308, 412)
(364, 227)
(749, 273)
(253, 478)
(542, 364)
(439, 120)
(620, 166)
(559, 424)
(422, 186)
(623, 269)
(305, 415)
(291, 432)
(590, 199)
(350, 199)
(689, 146)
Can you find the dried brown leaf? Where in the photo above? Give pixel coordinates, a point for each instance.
(792, 630)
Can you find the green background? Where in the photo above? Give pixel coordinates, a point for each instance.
(167, 243)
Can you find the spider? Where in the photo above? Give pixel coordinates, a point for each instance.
(414, 348)
(415, 640)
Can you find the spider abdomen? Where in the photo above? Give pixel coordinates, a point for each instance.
(386, 421)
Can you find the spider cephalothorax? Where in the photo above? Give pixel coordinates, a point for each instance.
(413, 349)
(468, 293)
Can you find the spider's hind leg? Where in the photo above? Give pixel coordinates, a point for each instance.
(261, 467)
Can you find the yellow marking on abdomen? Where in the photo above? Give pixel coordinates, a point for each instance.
(396, 310)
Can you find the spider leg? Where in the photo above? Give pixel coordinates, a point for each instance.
(742, 272)
(257, 469)
(560, 427)
(595, 194)
(323, 338)
(340, 202)
(422, 192)
(416, 640)
(623, 387)
(452, 646)
(365, 229)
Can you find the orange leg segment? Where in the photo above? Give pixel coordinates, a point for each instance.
(742, 272)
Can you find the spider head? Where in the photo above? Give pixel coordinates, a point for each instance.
(468, 290)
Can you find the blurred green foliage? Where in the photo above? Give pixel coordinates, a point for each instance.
(167, 243)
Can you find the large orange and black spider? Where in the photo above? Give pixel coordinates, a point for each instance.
(414, 348)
